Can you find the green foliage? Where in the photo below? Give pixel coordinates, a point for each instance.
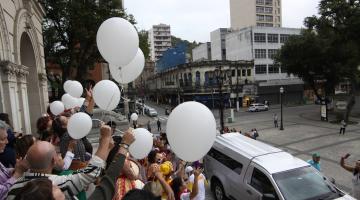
(190, 45)
(328, 49)
(69, 31)
(144, 44)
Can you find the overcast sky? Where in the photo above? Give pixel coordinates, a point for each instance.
(195, 19)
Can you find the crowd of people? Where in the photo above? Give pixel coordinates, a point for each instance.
(56, 166)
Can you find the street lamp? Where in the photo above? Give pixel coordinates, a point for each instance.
(281, 107)
(220, 76)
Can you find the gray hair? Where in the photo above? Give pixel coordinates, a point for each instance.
(3, 125)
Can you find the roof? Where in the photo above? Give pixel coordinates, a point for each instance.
(279, 162)
(244, 145)
(270, 158)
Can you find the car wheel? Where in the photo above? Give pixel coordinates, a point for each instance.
(218, 190)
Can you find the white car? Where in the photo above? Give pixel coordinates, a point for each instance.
(255, 107)
(152, 112)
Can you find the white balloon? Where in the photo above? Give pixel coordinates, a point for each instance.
(142, 145)
(75, 89)
(69, 101)
(191, 130)
(79, 125)
(106, 95)
(67, 85)
(80, 101)
(117, 41)
(134, 117)
(57, 107)
(131, 71)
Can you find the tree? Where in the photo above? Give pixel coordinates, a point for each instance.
(69, 30)
(328, 50)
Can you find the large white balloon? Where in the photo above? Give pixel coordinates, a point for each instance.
(79, 125)
(117, 41)
(142, 145)
(69, 101)
(106, 95)
(191, 130)
(57, 107)
(67, 85)
(134, 117)
(131, 71)
(75, 89)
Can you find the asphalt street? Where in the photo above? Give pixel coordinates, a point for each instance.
(303, 135)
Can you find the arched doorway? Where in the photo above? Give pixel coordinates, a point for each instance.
(27, 58)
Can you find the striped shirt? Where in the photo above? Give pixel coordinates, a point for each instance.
(71, 185)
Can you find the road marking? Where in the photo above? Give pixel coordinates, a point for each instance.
(163, 118)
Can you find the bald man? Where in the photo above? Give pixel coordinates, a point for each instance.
(43, 158)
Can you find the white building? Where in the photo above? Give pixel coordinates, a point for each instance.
(23, 81)
(259, 44)
(217, 39)
(245, 13)
(202, 52)
(159, 40)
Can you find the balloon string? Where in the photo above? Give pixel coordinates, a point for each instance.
(111, 99)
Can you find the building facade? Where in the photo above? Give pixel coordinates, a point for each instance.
(261, 44)
(159, 40)
(217, 39)
(23, 80)
(245, 13)
(202, 52)
(195, 81)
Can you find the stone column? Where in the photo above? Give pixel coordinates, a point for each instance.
(23, 96)
(11, 94)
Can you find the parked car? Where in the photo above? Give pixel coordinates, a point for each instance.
(255, 107)
(152, 112)
(242, 168)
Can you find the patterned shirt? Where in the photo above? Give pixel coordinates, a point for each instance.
(6, 181)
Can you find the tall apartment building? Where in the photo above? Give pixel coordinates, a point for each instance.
(159, 40)
(261, 44)
(218, 47)
(245, 13)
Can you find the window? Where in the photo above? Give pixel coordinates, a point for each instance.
(260, 2)
(260, 37)
(260, 17)
(197, 78)
(268, 18)
(248, 72)
(226, 160)
(260, 69)
(273, 38)
(238, 72)
(274, 69)
(268, 2)
(233, 72)
(268, 10)
(284, 38)
(260, 9)
(265, 24)
(260, 53)
(272, 53)
(243, 72)
(262, 183)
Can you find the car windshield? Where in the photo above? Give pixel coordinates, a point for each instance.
(304, 184)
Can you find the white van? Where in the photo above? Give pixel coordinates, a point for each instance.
(241, 168)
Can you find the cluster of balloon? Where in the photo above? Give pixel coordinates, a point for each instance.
(125, 63)
(80, 123)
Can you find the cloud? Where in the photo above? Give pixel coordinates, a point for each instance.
(195, 19)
